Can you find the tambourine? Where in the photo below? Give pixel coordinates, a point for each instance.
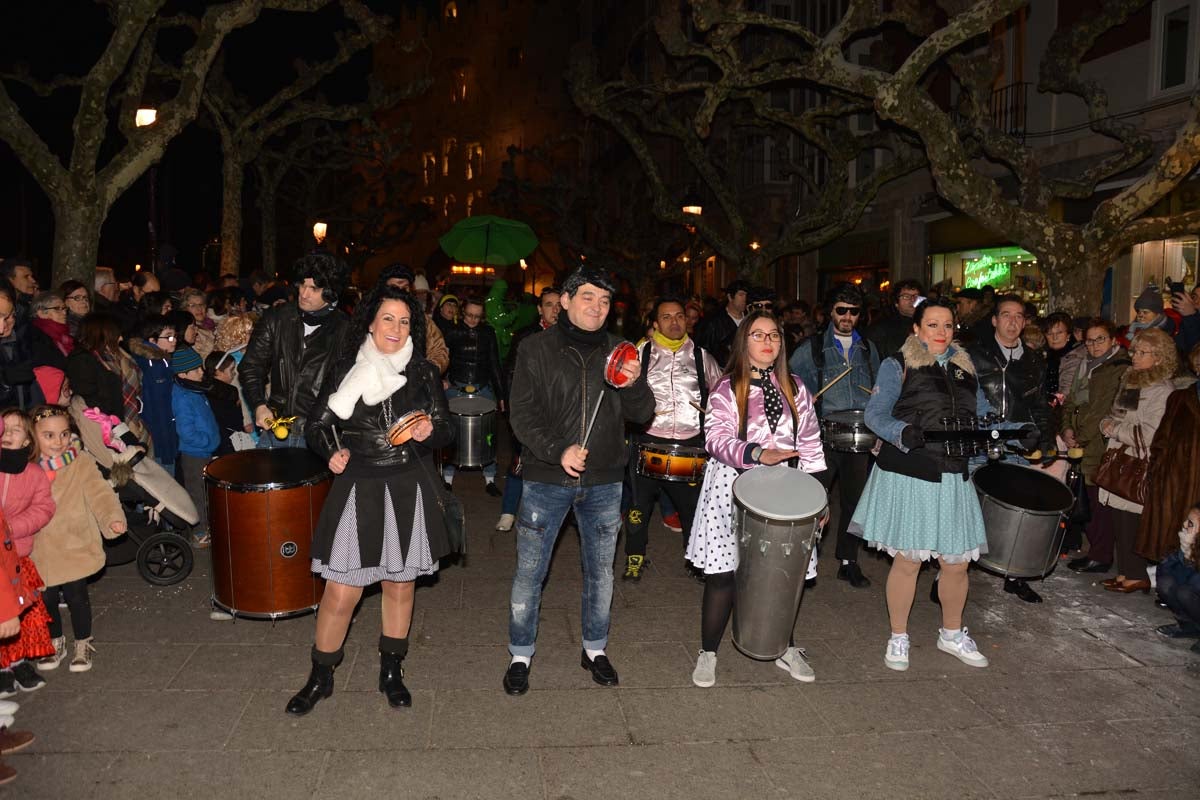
(402, 429)
(621, 355)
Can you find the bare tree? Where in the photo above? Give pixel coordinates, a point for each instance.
(143, 50)
(244, 128)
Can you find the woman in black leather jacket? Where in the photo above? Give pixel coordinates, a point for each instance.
(381, 522)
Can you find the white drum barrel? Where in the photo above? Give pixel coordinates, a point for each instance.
(776, 511)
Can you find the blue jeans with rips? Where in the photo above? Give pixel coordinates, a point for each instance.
(544, 506)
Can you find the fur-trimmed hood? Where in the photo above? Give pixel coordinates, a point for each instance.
(916, 355)
(142, 348)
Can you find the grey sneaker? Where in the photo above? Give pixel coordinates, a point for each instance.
(794, 661)
(51, 662)
(896, 655)
(705, 673)
(82, 661)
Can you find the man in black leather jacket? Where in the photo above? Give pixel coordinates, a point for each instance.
(715, 332)
(1011, 376)
(558, 388)
(475, 369)
(290, 350)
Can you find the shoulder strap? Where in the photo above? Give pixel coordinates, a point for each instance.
(701, 381)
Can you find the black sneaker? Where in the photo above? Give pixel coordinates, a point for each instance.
(27, 677)
(493, 490)
(8, 684)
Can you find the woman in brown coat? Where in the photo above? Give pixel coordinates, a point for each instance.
(1174, 474)
(1093, 387)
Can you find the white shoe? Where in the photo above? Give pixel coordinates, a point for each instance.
(506, 522)
(793, 660)
(82, 660)
(219, 615)
(705, 673)
(896, 655)
(8, 708)
(51, 662)
(962, 647)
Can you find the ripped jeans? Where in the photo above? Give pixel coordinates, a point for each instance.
(543, 508)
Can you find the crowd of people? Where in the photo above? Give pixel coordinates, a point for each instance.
(184, 370)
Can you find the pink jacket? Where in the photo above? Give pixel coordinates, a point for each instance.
(27, 504)
(721, 428)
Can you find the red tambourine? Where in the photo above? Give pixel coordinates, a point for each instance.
(621, 355)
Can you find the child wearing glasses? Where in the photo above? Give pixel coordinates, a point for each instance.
(152, 353)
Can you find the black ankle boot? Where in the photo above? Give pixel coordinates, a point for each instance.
(319, 685)
(391, 671)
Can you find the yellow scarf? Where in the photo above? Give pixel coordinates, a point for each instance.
(671, 344)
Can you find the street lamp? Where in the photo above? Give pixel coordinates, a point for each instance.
(142, 118)
(691, 204)
(319, 231)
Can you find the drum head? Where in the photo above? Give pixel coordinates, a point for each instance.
(854, 417)
(780, 492)
(471, 405)
(1023, 487)
(279, 468)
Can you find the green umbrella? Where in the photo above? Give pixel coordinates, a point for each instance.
(489, 240)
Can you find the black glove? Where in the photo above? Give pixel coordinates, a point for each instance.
(1029, 436)
(912, 437)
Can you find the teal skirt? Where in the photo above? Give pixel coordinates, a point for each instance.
(920, 519)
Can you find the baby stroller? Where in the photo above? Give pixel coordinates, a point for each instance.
(155, 539)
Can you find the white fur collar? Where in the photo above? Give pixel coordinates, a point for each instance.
(374, 377)
(916, 355)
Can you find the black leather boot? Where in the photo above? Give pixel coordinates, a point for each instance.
(319, 685)
(391, 671)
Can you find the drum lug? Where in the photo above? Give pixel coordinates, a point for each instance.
(787, 549)
(763, 545)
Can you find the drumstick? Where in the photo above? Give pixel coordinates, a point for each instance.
(588, 434)
(865, 389)
(697, 406)
(832, 382)
(337, 442)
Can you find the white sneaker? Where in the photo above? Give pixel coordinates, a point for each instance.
(506, 522)
(219, 615)
(896, 655)
(793, 660)
(51, 662)
(82, 661)
(8, 708)
(962, 647)
(705, 673)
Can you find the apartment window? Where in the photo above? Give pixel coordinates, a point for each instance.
(470, 204)
(448, 204)
(458, 88)
(516, 57)
(450, 12)
(1176, 40)
(474, 160)
(447, 150)
(428, 167)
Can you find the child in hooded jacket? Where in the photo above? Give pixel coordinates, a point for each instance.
(28, 506)
(199, 437)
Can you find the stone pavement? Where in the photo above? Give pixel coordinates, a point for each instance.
(1082, 697)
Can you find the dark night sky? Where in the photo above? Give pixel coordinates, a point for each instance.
(53, 37)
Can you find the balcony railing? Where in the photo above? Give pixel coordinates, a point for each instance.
(1009, 109)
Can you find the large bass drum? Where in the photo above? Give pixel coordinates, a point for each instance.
(475, 431)
(1022, 513)
(262, 508)
(776, 516)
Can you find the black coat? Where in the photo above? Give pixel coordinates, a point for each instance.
(293, 365)
(715, 334)
(17, 384)
(1014, 388)
(475, 357)
(98, 386)
(555, 389)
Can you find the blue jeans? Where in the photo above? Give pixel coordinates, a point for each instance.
(489, 470)
(267, 440)
(544, 506)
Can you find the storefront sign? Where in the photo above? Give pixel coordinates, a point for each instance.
(985, 271)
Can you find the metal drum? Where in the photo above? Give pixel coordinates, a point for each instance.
(776, 515)
(671, 462)
(263, 506)
(1022, 511)
(847, 432)
(475, 426)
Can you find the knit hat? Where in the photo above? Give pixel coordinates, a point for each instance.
(420, 284)
(1149, 300)
(448, 298)
(184, 360)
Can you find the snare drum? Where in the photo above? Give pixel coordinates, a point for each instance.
(847, 432)
(475, 425)
(776, 516)
(262, 508)
(621, 355)
(401, 431)
(671, 462)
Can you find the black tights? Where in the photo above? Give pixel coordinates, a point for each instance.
(719, 592)
(79, 604)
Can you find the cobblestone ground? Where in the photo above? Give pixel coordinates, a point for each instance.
(1082, 697)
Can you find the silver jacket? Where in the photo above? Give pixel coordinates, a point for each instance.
(672, 379)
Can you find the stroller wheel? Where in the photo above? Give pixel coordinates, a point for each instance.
(164, 559)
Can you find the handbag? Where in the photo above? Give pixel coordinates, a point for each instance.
(1125, 473)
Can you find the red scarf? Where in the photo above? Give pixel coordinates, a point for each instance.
(58, 332)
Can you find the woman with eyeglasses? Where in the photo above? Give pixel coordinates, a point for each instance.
(1093, 387)
(151, 351)
(78, 301)
(50, 342)
(1137, 411)
(758, 414)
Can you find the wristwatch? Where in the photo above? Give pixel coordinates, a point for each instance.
(756, 454)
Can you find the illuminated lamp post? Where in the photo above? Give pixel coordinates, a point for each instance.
(143, 118)
(319, 231)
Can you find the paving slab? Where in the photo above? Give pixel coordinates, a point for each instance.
(461, 773)
(213, 774)
(915, 705)
(720, 714)
(348, 720)
(541, 718)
